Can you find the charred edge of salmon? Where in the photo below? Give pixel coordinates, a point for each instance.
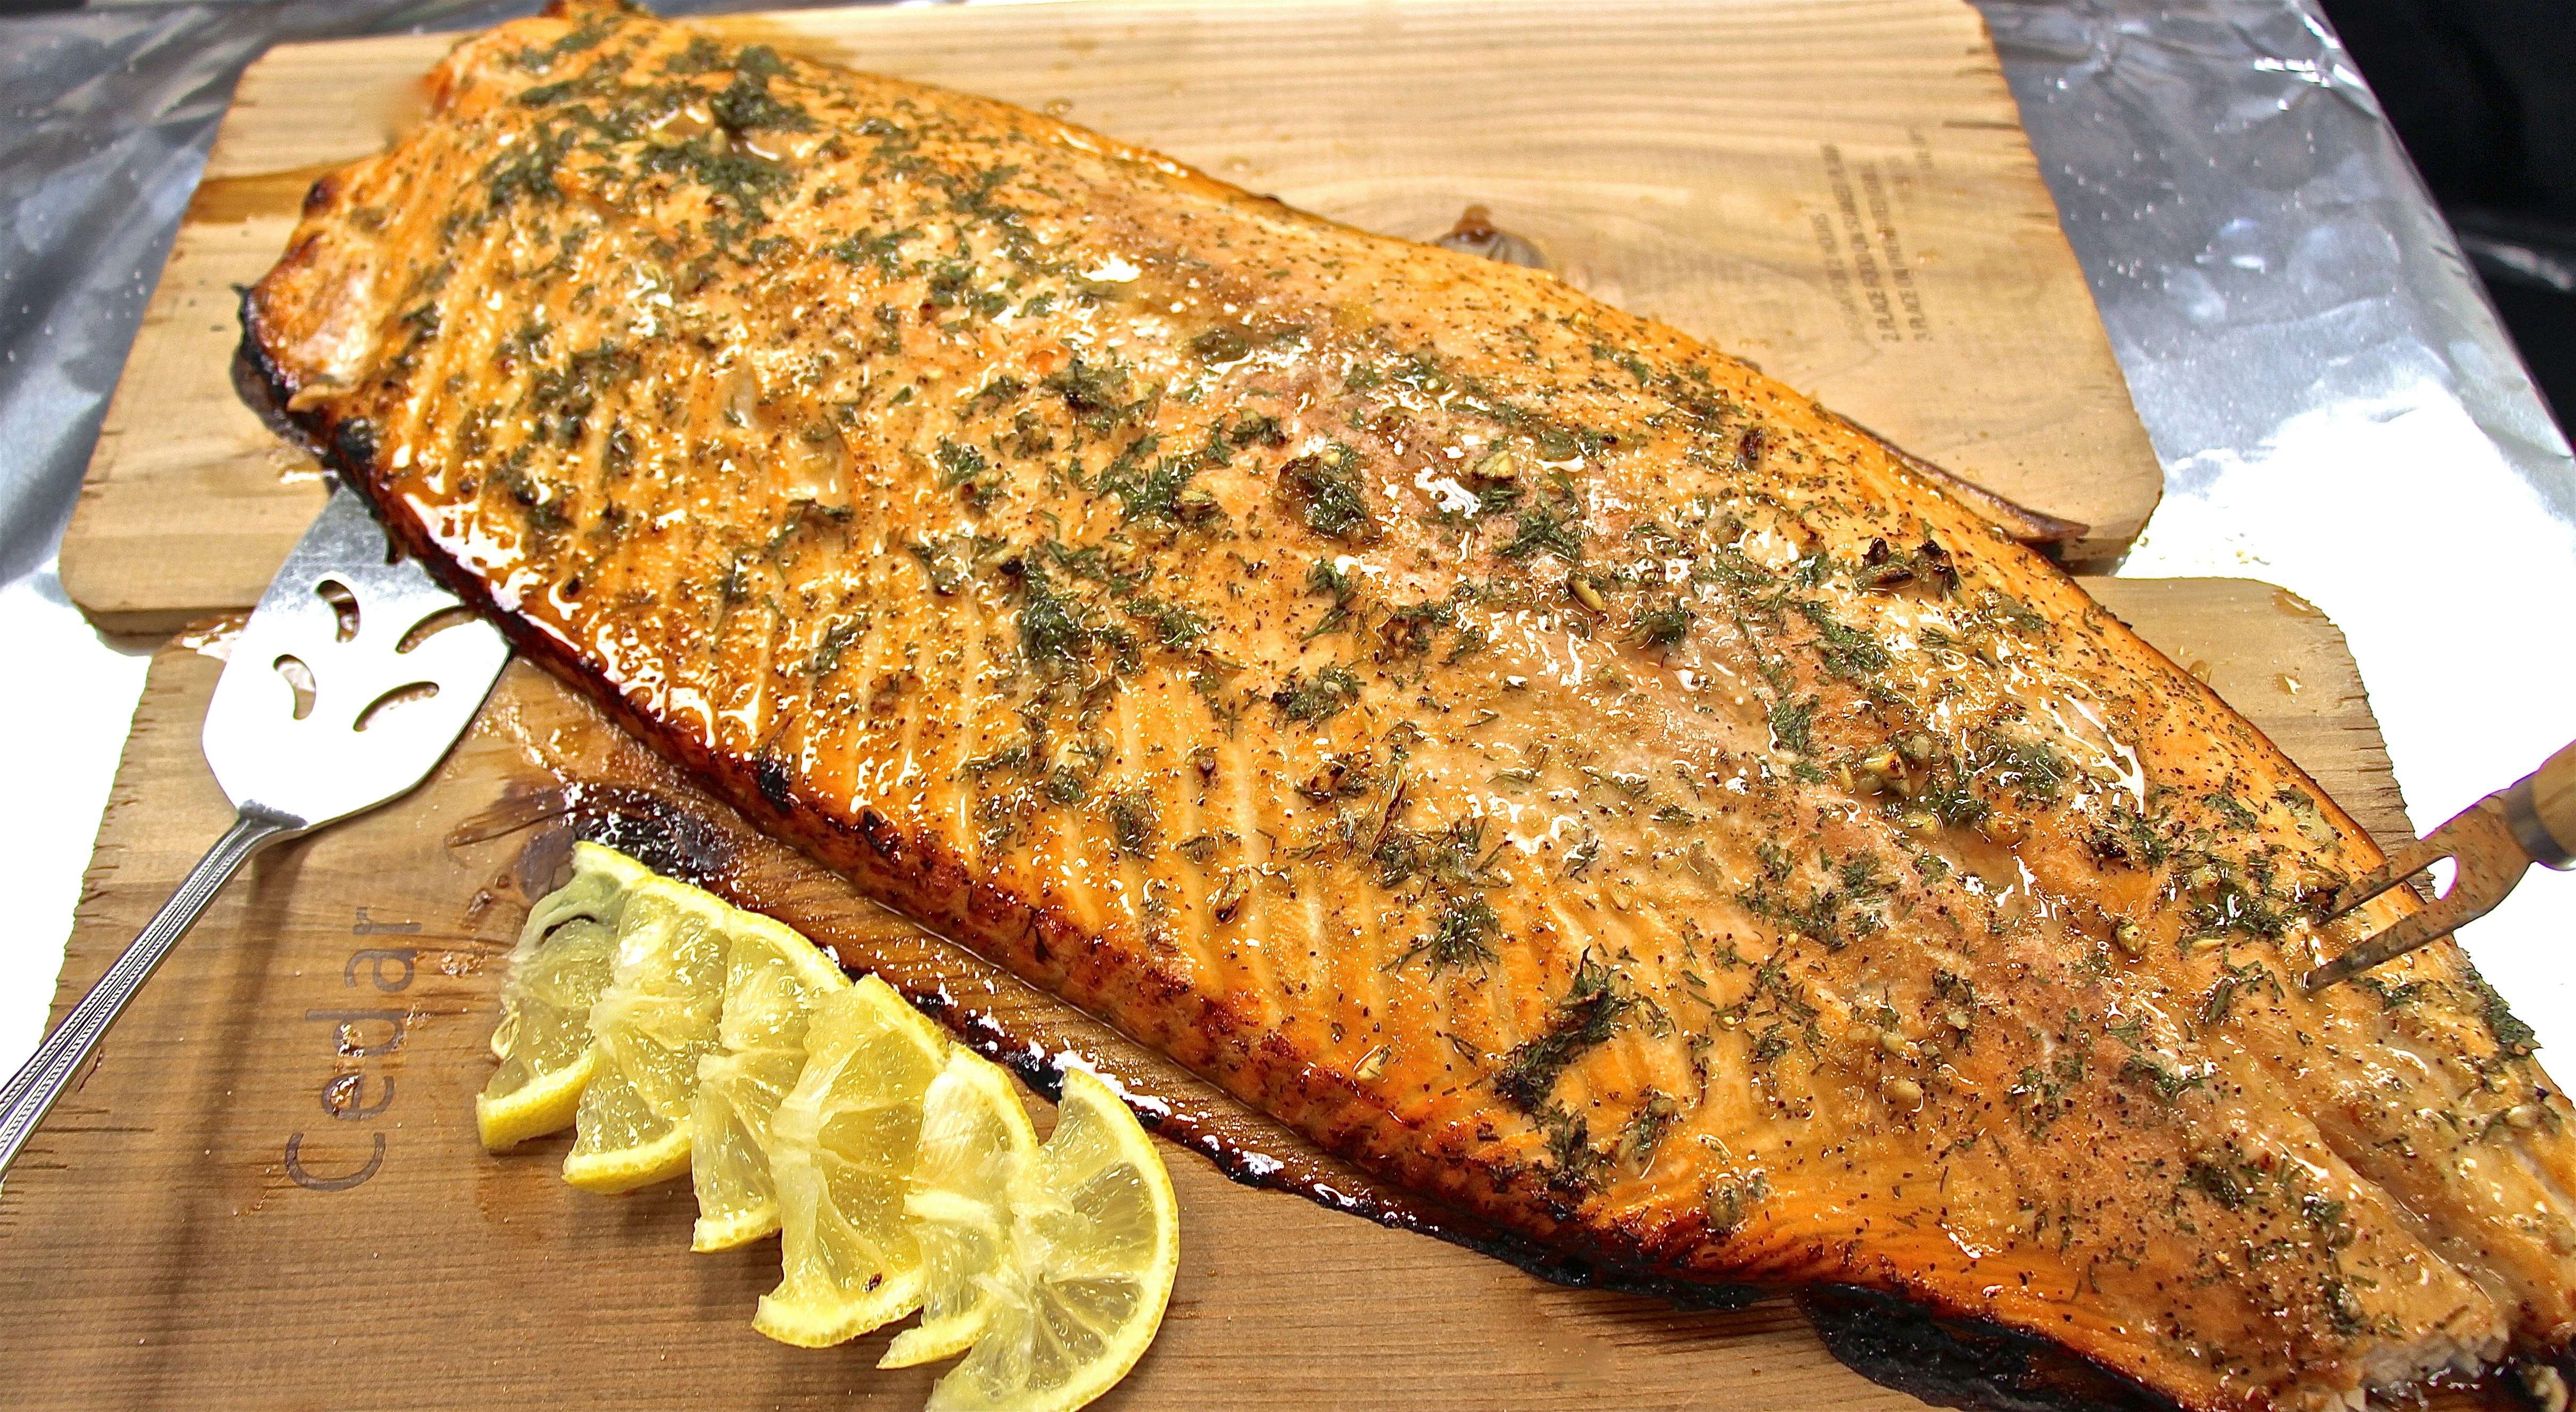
(1953, 1363)
(911, 876)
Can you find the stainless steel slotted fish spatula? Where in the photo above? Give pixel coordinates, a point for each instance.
(353, 678)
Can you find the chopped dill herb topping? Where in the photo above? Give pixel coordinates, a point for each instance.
(2512, 1036)
(2343, 1308)
(2166, 1083)
(747, 105)
(836, 640)
(1835, 915)
(1410, 631)
(2233, 809)
(2223, 995)
(1946, 796)
(2032, 771)
(2126, 836)
(1585, 1018)
(1792, 724)
(1097, 396)
(964, 466)
(1319, 697)
(1454, 855)
(2392, 997)
(528, 173)
(883, 249)
(2328, 1218)
(1220, 345)
(2228, 905)
(1729, 1202)
(2230, 1184)
(742, 181)
(1846, 651)
(1148, 491)
(1646, 1128)
(1009, 757)
(1324, 491)
(1574, 1167)
(703, 55)
(1663, 624)
(1132, 817)
(1460, 936)
(1052, 635)
(1542, 529)
(546, 95)
(1174, 625)
(1249, 430)
(1323, 577)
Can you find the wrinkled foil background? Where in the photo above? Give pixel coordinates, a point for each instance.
(2335, 407)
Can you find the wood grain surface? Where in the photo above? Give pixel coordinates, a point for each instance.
(1839, 190)
(267, 1193)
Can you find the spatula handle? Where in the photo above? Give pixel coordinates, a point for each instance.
(2542, 810)
(31, 1092)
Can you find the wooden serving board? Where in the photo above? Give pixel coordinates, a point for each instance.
(267, 1193)
(1837, 189)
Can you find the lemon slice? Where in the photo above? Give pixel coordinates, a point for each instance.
(975, 1143)
(557, 971)
(649, 1028)
(1095, 1241)
(841, 1159)
(772, 978)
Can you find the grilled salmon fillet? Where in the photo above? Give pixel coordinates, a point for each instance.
(1548, 762)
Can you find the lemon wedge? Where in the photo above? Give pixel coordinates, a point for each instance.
(557, 971)
(773, 977)
(677, 1033)
(1094, 1244)
(650, 1027)
(842, 1150)
(976, 1142)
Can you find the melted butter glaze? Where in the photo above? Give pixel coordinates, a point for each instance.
(1546, 763)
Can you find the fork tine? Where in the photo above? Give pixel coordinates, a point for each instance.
(2404, 863)
(2489, 861)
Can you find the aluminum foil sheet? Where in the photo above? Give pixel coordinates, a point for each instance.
(2333, 403)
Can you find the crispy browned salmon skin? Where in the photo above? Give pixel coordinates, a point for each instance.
(1542, 758)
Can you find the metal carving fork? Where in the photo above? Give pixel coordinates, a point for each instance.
(2491, 844)
(352, 680)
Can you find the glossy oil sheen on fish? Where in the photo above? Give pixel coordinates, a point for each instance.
(1547, 762)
